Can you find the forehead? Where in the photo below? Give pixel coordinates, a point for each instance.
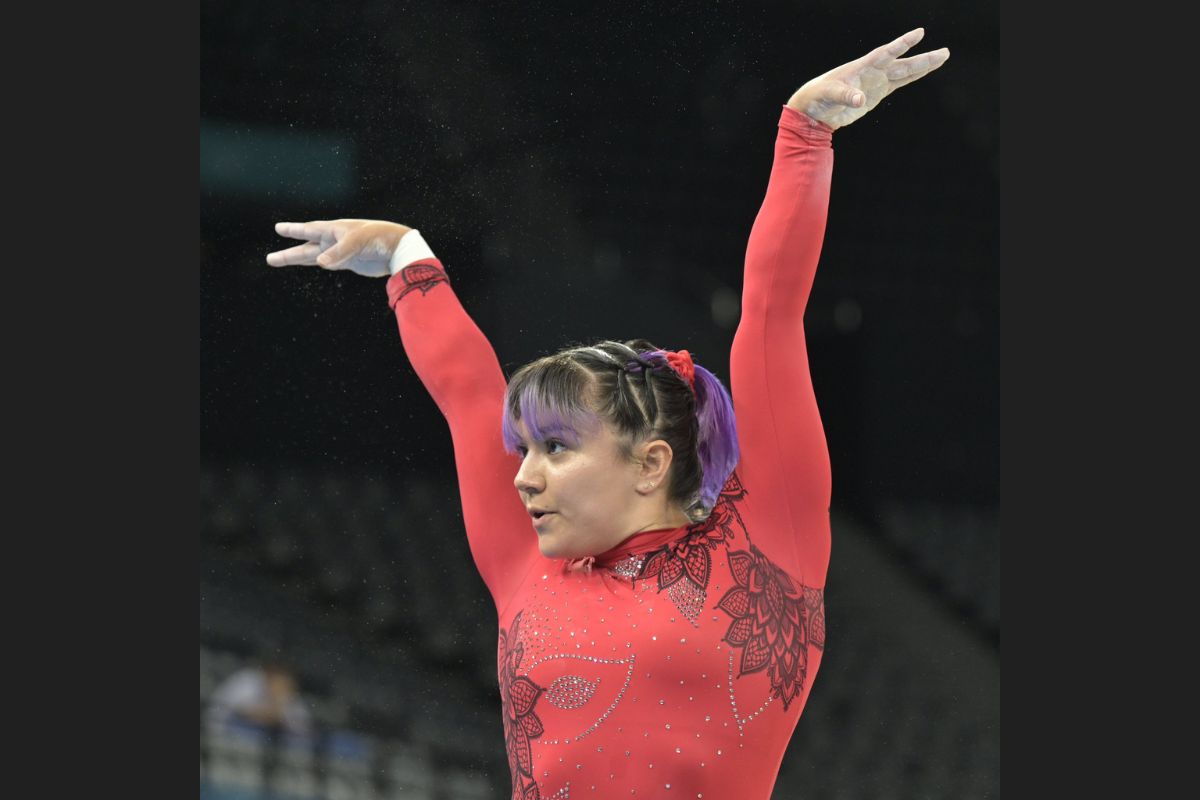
(589, 431)
(575, 432)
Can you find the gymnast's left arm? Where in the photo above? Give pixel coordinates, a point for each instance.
(784, 464)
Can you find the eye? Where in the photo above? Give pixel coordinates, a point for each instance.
(550, 445)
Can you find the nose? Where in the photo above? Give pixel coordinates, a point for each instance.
(528, 479)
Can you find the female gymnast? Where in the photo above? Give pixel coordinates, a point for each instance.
(660, 627)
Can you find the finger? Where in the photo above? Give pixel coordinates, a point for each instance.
(334, 256)
(894, 85)
(842, 94)
(909, 69)
(880, 56)
(300, 254)
(303, 230)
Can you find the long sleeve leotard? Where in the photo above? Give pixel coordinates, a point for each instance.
(678, 665)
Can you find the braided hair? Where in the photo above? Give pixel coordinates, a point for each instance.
(632, 387)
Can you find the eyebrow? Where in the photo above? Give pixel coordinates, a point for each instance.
(557, 432)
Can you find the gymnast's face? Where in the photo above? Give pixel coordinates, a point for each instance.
(587, 486)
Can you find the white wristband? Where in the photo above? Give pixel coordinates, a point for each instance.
(412, 248)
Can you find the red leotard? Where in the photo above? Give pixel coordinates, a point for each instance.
(679, 664)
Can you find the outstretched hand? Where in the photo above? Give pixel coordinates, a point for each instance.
(846, 93)
(363, 246)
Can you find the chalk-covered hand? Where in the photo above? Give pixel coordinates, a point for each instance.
(363, 246)
(846, 93)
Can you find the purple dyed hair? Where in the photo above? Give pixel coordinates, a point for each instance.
(631, 387)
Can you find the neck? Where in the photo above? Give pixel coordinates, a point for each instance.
(652, 512)
(645, 537)
(674, 519)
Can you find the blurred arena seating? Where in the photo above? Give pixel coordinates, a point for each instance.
(956, 549)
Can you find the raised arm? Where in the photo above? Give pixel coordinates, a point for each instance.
(784, 464)
(457, 365)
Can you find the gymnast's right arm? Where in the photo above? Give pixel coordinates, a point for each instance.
(458, 367)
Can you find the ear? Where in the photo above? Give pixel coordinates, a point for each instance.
(654, 461)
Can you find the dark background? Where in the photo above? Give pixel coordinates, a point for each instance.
(589, 174)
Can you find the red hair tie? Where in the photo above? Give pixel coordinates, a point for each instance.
(681, 362)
